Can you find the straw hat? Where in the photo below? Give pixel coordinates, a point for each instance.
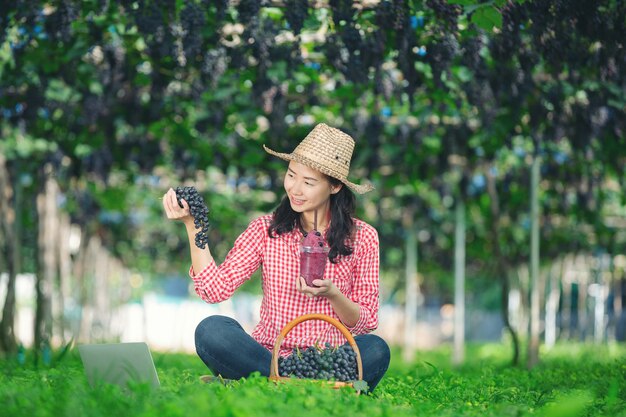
(327, 150)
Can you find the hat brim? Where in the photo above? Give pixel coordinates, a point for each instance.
(357, 188)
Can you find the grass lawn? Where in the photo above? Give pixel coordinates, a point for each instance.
(572, 380)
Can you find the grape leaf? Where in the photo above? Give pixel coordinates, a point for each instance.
(487, 18)
(360, 386)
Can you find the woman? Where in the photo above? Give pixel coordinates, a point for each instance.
(318, 196)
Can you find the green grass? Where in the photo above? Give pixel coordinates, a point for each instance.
(578, 380)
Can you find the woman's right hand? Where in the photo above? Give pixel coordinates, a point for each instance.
(173, 210)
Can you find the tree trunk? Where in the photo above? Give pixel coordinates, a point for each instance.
(10, 251)
(566, 307)
(459, 283)
(617, 304)
(533, 330)
(581, 311)
(47, 265)
(79, 271)
(600, 287)
(63, 277)
(523, 276)
(501, 265)
(87, 279)
(102, 301)
(95, 305)
(552, 303)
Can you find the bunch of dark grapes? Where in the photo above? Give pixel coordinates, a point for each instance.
(248, 10)
(221, 7)
(338, 363)
(385, 17)
(149, 19)
(447, 13)
(351, 38)
(214, 64)
(509, 39)
(59, 23)
(199, 212)
(296, 12)
(343, 10)
(400, 12)
(193, 20)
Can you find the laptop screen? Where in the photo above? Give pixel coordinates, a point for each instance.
(118, 363)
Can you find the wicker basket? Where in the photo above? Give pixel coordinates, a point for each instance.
(275, 375)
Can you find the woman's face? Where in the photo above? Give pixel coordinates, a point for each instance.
(307, 188)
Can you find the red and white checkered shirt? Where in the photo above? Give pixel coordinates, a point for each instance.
(356, 276)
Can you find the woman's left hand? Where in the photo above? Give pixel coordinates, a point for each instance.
(325, 288)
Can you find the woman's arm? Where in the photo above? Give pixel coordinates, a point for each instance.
(359, 312)
(211, 282)
(347, 310)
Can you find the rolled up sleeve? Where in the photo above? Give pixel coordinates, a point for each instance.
(366, 289)
(218, 283)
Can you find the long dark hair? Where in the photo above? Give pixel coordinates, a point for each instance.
(342, 208)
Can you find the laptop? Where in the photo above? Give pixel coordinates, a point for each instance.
(118, 363)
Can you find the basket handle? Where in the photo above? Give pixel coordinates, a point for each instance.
(274, 374)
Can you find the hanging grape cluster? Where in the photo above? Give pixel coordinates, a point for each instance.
(198, 210)
(296, 12)
(58, 24)
(193, 22)
(445, 12)
(338, 363)
(248, 10)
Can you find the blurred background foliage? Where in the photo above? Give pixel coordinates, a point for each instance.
(447, 101)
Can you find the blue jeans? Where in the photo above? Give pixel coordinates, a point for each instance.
(227, 350)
